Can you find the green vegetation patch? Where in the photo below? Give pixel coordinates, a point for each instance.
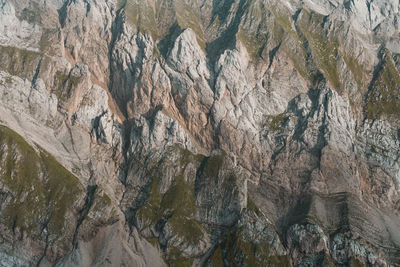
(18, 62)
(64, 84)
(141, 14)
(180, 199)
(240, 252)
(253, 39)
(217, 258)
(158, 19)
(384, 95)
(101, 201)
(254, 43)
(324, 48)
(275, 122)
(175, 259)
(177, 205)
(41, 191)
(356, 69)
(290, 42)
(47, 40)
(187, 17)
(282, 19)
(213, 164)
(355, 262)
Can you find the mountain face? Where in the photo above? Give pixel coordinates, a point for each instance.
(200, 133)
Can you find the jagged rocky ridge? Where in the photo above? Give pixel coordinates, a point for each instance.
(199, 132)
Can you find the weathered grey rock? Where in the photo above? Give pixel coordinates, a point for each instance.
(15, 32)
(202, 132)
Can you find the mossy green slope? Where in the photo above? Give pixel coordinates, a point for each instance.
(324, 49)
(157, 19)
(243, 247)
(40, 192)
(383, 98)
(176, 206)
(241, 252)
(141, 14)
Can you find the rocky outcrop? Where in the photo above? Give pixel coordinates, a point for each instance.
(212, 133)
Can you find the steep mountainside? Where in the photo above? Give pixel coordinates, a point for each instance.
(200, 133)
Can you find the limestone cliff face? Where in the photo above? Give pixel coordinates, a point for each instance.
(199, 132)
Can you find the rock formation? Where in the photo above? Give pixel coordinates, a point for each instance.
(199, 133)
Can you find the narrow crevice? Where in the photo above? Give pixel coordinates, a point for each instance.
(37, 71)
(14, 225)
(162, 240)
(91, 189)
(369, 13)
(126, 129)
(45, 249)
(272, 54)
(46, 222)
(97, 128)
(117, 29)
(62, 13)
(88, 7)
(375, 75)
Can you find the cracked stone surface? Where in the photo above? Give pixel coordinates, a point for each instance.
(199, 133)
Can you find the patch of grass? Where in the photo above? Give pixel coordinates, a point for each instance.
(254, 39)
(240, 252)
(323, 48)
(64, 84)
(290, 42)
(275, 123)
(18, 62)
(217, 258)
(46, 41)
(176, 259)
(254, 43)
(328, 261)
(156, 20)
(384, 96)
(213, 164)
(355, 262)
(230, 183)
(296, 52)
(177, 204)
(180, 199)
(42, 191)
(283, 23)
(165, 17)
(356, 69)
(150, 212)
(141, 14)
(153, 241)
(101, 201)
(187, 17)
(61, 190)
